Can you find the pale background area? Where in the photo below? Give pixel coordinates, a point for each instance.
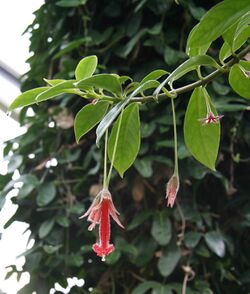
(15, 16)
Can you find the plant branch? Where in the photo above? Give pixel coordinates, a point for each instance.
(207, 79)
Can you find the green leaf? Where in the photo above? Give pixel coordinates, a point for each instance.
(86, 67)
(14, 162)
(49, 249)
(114, 112)
(201, 50)
(66, 48)
(201, 140)
(169, 259)
(63, 221)
(144, 167)
(216, 21)
(27, 98)
(189, 65)
(226, 50)
(154, 75)
(145, 286)
(71, 3)
(113, 257)
(161, 229)
(54, 82)
(47, 192)
(88, 117)
(192, 239)
(128, 142)
(239, 81)
(139, 219)
(58, 89)
(107, 82)
(215, 243)
(25, 191)
(45, 228)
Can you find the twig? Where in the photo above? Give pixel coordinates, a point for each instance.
(189, 275)
(207, 79)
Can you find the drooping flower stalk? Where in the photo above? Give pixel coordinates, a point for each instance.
(210, 117)
(102, 207)
(173, 184)
(115, 147)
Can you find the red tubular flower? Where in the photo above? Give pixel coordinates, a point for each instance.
(172, 190)
(210, 118)
(99, 213)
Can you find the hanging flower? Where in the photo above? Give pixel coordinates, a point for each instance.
(210, 118)
(172, 190)
(99, 214)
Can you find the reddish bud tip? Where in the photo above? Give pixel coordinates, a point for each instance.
(172, 190)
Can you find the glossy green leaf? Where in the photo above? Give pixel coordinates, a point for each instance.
(27, 98)
(14, 162)
(86, 67)
(239, 81)
(88, 117)
(113, 257)
(123, 79)
(145, 286)
(215, 242)
(161, 229)
(194, 51)
(144, 167)
(189, 65)
(54, 82)
(154, 75)
(63, 221)
(128, 143)
(45, 228)
(245, 64)
(242, 25)
(70, 3)
(168, 260)
(226, 50)
(107, 82)
(192, 239)
(47, 192)
(58, 89)
(25, 191)
(66, 48)
(139, 219)
(216, 21)
(201, 140)
(114, 112)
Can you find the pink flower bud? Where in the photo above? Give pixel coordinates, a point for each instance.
(172, 190)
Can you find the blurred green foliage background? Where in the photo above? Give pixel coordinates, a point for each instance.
(152, 254)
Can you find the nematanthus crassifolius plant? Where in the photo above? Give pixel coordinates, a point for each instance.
(115, 103)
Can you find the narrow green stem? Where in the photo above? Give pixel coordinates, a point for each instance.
(175, 139)
(114, 150)
(105, 161)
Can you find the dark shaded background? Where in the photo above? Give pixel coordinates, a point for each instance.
(129, 37)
